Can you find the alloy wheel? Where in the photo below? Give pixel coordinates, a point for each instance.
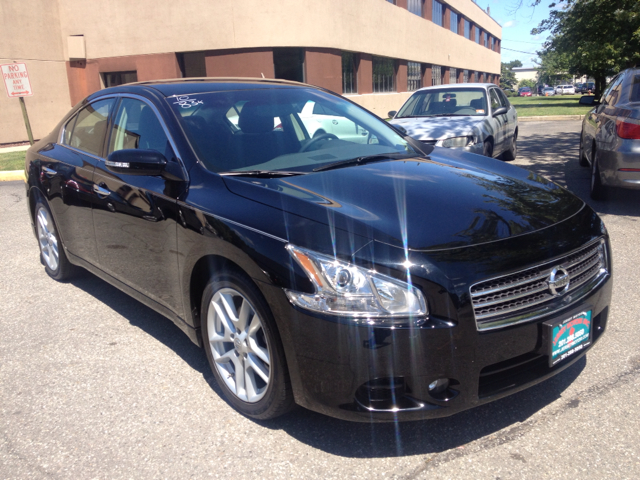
(238, 345)
(48, 240)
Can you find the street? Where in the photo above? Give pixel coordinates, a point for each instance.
(93, 384)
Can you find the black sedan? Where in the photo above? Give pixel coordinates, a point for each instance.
(361, 274)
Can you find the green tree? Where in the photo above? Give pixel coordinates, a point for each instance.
(598, 37)
(527, 82)
(553, 67)
(507, 76)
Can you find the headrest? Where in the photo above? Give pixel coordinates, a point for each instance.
(255, 118)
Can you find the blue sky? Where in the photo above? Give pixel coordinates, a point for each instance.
(516, 27)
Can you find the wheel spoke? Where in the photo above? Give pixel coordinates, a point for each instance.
(250, 385)
(228, 357)
(43, 222)
(260, 352)
(258, 368)
(243, 317)
(225, 322)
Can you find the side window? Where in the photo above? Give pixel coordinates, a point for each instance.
(137, 126)
(68, 128)
(607, 91)
(503, 98)
(90, 127)
(495, 101)
(616, 90)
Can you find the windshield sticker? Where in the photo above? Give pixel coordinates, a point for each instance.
(185, 102)
(479, 110)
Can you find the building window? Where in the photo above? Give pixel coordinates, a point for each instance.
(477, 34)
(392, 1)
(414, 76)
(349, 73)
(454, 22)
(467, 29)
(415, 6)
(486, 40)
(437, 12)
(288, 64)
(113, 79)
(465, 76)
(453, 75)
(491, 43)
(436, 75)
(383, 75)
(192, 64)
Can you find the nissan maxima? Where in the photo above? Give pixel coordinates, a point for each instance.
(381, 279)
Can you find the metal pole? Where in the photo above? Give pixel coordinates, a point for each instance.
(26, 119)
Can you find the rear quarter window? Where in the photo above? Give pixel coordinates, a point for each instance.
(635, 89)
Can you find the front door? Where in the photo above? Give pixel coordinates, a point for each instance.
(135, 216)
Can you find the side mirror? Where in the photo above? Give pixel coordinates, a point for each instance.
(136, 162)
(392, 113)
(588, 100)
(500, 111)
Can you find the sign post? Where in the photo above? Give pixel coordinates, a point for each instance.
(16, 81)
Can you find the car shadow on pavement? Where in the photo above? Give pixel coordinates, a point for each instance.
(555, 156)
(372, 440)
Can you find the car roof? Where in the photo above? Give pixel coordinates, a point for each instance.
(458, 85)
(180, 86)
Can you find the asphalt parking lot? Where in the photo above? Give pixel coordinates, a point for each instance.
(94, 384)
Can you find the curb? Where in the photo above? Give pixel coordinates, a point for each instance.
(21, 148)
(12, 175)
(541, 118)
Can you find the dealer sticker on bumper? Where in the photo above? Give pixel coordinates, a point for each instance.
(570, 336)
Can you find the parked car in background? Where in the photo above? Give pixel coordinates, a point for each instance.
(588, 88)
(379, 281)
(476, 117)
(610, 137)
(524, 92)
(565, 90)
(540, 89)
(549, 91)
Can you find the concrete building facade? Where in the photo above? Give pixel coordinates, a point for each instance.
(374, 51)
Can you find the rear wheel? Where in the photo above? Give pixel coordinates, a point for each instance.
(52, 253)
(243, 347)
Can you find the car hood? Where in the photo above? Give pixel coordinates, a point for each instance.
(437, 128)
(450, 199)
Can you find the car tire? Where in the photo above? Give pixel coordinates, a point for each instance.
(240, 337)
(511, 153)
(487, 149)
(582, 159)
(598, 190)
(52, 254)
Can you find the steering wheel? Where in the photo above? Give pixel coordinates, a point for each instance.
(324, 136)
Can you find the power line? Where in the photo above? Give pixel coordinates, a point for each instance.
(523, 41)
(519, 51)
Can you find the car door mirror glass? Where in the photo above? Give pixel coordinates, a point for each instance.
(500, 111)
(588, 100)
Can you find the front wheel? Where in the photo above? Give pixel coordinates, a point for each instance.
(487, 149)
(52, 253)
(511, 153)
(582, 159)
(243, 347)
(598, 190)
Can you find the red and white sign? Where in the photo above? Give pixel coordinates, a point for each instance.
(16, 80)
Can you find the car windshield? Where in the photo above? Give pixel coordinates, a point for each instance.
(286, 129)
(445, 102)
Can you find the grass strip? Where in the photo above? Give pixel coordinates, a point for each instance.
(12, 161)
(544, 106)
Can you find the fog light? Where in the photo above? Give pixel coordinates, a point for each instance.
(439, 385)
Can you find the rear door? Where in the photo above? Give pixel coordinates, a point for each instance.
(499, 122)
(66, 176)
(135, 216)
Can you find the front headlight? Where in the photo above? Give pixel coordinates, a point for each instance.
(347, 290)
(457, 142)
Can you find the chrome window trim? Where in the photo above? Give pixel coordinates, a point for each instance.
(135, 97)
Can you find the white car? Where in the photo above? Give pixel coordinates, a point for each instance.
(565, 90)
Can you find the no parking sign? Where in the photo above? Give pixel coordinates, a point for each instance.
(16, 80)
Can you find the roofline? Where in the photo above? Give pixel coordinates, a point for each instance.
(218, 80)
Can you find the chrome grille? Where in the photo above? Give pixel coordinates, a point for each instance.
(525, 295)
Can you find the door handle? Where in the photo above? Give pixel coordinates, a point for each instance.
(49, 172)
(102, 192)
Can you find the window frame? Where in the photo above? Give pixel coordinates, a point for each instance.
(434, 10)
(419, 84)
(394, 87)
(74, 117)
(354, 73)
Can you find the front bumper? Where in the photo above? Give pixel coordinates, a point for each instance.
(345, 371)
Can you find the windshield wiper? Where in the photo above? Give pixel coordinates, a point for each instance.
(261, 173)
(366, 159)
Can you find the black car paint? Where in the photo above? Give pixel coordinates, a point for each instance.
(372, 215)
